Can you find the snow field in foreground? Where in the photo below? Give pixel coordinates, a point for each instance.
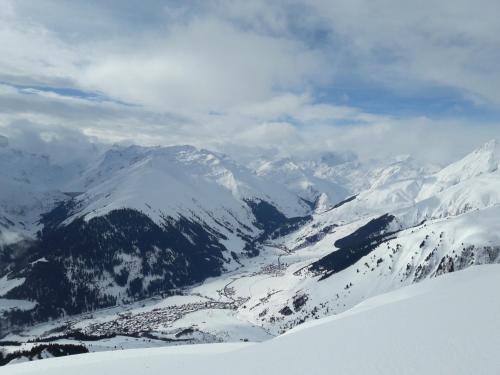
(446, 325)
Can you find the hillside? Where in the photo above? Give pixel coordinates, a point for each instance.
(448, 325)
(167, 246)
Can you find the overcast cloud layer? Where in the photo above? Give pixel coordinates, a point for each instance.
(378, 77)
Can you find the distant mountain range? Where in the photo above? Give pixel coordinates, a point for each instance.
(271, 245)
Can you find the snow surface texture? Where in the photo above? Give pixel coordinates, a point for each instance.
(447, 325)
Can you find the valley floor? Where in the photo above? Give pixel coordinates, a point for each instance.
(445, 325)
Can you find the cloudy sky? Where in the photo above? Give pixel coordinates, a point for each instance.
(375, 76)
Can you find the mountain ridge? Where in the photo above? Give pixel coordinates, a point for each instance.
(177, 223)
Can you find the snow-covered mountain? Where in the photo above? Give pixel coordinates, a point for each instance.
(408, 226)
(27, 189)
(183, 245)
(139, 222)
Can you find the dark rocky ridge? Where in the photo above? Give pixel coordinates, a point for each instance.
(354, 246)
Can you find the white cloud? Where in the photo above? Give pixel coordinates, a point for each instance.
(405, 43)
(236, 73)
(31, 54)
(205, 65)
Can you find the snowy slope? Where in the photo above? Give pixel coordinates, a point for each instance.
(160, 182)
(415, 193)
(176, 180)
(447, 325)
(409, 256)
(28, 188)
(181, 182)
(141, 222)
(400, 223)
(338, 176)
(453, 229)
(304, 179)
(469, 184)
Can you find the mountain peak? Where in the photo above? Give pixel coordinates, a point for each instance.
(491, 146)
(484, 159)
(488, 153)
